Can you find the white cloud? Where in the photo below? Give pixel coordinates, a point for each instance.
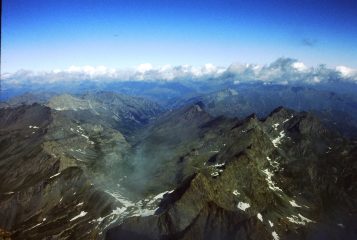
(287, 70)
(142, 68)
(300, 66)
(346, 71)
(282, 71)
(89, 70)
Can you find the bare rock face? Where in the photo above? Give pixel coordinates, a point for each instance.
(58, 165)
(76, 174)
(276, 178)
(45, 191)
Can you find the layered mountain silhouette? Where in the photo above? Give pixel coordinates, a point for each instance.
(109, 166)
(337, 110)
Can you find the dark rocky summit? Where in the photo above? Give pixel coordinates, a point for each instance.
(284, 177)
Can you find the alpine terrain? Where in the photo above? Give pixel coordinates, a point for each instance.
(102, 165)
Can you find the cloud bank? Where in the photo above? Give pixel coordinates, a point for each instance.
(282, 71)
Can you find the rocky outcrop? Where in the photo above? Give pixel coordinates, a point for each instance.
(256, 179)
(51, 170)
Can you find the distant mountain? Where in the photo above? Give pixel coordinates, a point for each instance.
(27, 98)
(122, 112)
(334, 101)
(337, 110)
(165, 93)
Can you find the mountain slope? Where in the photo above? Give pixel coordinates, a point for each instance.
(59, 162)
(183, 174)
(274, 178)
(121, 112)
(52, 170)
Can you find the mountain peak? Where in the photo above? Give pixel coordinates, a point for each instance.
(199, 106)
(279, 110)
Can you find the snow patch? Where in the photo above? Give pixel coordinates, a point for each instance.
(271, 223)
(144, 212)
(218, 165)
(236, 193)
(38, 224)
(130, 208)
(100, 219)
(55, 175)
(294, 204)
(299, 219)
(243, 206)
(80, 151)
(286, 120)
(270, 182)
(121, 199)
(275, 235)
(329, 149)
(81, 214)
(277, 140)
(273, 163)
(260, 217)
(9, 193)
(85, 136)
(159, 196)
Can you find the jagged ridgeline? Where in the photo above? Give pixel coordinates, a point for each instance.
(109, 166)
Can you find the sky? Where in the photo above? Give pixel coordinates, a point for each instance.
(43, 35)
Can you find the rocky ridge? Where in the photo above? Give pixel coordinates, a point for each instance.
(74, 174)
(280, 177)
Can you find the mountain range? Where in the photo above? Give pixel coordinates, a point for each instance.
(103, 165)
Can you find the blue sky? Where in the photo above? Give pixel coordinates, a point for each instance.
(52, 34)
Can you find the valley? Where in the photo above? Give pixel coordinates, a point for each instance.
(103, 165)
